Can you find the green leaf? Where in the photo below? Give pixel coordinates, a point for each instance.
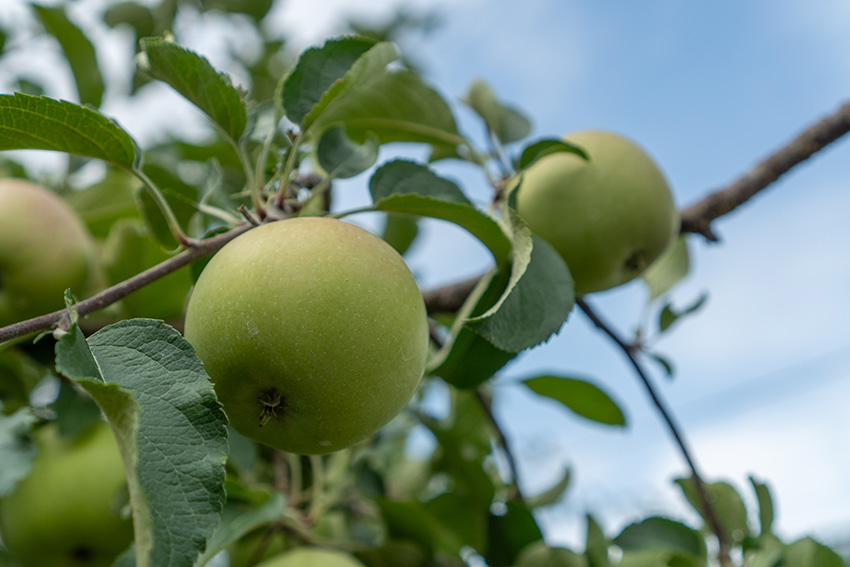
(107, 201)
(193, 77)
(468, 359)
(664, 363)
(581, 396)
(661, 534)
(550, 495)
(409, 520)
(659, 558)
(509, 534)
(400, 231)
(170, 428)
(395, 106)
(16, 447)
(507, 123)
(668, 269)
(342, 158)
(41, 123)
(669, 315)
(537, 300)
(324, 73)
(78, 50)
(461, 525)
(140, 17)
(806, 552)
(545, 147)
(597, 546)
(765, 502)
(235, 526)
(538, 554)
(407, 187)
(727, 504)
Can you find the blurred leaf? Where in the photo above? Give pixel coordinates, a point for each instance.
(342, 158)
(506, 123)
(16, 446)
(153, 390)
(807, 552)
(395, 106)
(669, 315)
(597, 546)
(139, 17)
(127, 252)
(727, 504)
(538, 554)
(765, 503)
(409, 520)
(659, 558)
(324, 73)
(546, 147)
(663, 362)
(75, 411)
(236, 525)
(78, 50)
(509, 534)
(581, 396)
(550, 495)
(407, 187)
(668, 269)
(41, 123)
(400, 231)
(107, 201)
(395, 554)
(155, 221)
(462, 525)
(193, 77)
(19, 374)
(257, 9)
(661, 534)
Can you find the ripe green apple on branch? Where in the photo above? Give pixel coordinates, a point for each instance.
(44, 250)
(313, 331)
(609, 216)
(66, 513)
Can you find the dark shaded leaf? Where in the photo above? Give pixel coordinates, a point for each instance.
(545, 147)
(509, 534)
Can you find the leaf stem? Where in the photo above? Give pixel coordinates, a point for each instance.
(165, 208)
(486, 404)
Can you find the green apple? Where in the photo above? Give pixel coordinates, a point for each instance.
(64, 513)
(44, 250)
(313, 331)
(608, 217)
(311, 557)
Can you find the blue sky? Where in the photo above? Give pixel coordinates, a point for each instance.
(763, 372)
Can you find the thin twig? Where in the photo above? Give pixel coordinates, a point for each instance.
(486, 405)
(120, 290)
(698, 217)
(666, 414)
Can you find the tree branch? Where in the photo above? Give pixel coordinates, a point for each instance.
(667, 415)
(486, 405)
(120, 290)
(698, 217)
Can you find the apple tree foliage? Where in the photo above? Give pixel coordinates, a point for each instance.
(197, 489)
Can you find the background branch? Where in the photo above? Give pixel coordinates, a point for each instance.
(667, 415)
(120, 290)
(698, 217)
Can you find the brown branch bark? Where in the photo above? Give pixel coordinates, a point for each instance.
(697, 218)
(118, 291)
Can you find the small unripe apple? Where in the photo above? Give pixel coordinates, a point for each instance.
(313, 331)
(608, 217)
(65, 513)
(44, 250)
(311, 557)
